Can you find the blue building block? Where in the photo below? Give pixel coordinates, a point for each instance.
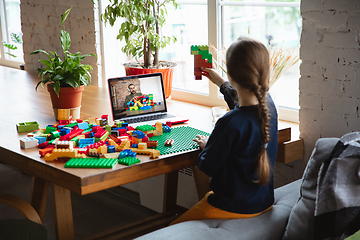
(40, 139)
(111, 149)
(83, 142)
(64, 131)
(83, 125)
(166, 129)
(127, 153)
(138, 134)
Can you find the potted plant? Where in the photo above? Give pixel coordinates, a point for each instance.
(16, 39)
(141, 31)
(65, 78)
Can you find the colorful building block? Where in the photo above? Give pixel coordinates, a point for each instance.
(28, 142)
(27, 126)
(202, 58)
(128, 161)
(91, 163)
(86, 142)
(61, 153)
(63, 114)
(169, 142)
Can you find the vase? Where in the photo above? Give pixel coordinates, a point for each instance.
(69, 98)
(167, 73)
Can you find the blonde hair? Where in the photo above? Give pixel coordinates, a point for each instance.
(248, 64)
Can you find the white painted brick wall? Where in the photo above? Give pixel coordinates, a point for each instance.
(41, 25)
(330, 71)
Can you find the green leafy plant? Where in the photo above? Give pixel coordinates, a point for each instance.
(141, 29)
(69, 72)
(15, 39)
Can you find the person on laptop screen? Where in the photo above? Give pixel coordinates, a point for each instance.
(132, 95)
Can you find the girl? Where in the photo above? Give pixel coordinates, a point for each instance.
(241, 151)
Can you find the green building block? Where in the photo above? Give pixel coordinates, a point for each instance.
(91, 163)
(183, 140)
(145, 128)
(49, 129)
(128, 161)
(194, 48)
(204, 47)
(27, 126)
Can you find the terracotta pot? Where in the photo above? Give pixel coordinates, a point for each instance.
(69, 98)
(166, 72)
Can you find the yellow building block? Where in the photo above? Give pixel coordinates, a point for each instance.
(102, 149)
(125, 144)
(59, 153)
(63, 114)
(92, 121)
(159, 129)
(152, 152)
(142, 145)
(113, 143)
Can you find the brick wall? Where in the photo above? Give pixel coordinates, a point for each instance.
(330, 71)
(41, 25)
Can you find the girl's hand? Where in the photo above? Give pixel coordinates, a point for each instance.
(201, 140)
(212, 75)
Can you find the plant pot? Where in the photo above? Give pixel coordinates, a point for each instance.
(69, 98)
(134, 68)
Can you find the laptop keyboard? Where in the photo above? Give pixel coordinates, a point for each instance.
(149, 118)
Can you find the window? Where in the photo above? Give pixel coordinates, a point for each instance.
(10, 25)
(219, 23)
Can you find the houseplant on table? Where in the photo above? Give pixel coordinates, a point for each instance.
(141, 31)
(67, 78)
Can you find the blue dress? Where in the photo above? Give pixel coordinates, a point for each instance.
(230, 154)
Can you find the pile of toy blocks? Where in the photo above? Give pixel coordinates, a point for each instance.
(202, 58)
(144, 102)
(93, 140)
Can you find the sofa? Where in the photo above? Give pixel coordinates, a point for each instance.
(291, 218)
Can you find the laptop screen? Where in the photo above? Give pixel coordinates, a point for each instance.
(133, 96)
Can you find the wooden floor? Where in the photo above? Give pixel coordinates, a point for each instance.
(92, 213)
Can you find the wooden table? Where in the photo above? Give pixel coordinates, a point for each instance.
(19, 102)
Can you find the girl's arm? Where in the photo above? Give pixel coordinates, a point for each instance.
(216, 151)
(229, 93)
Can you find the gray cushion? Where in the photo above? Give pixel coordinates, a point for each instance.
(301, 220)
(268, 226)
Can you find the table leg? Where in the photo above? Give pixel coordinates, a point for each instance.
(201, 182)
(39, 189)
(170, 190)
(63, 218)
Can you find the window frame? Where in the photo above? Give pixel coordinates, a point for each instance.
(214, 27)
(4, 28)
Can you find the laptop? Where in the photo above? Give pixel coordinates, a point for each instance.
(140, 99)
